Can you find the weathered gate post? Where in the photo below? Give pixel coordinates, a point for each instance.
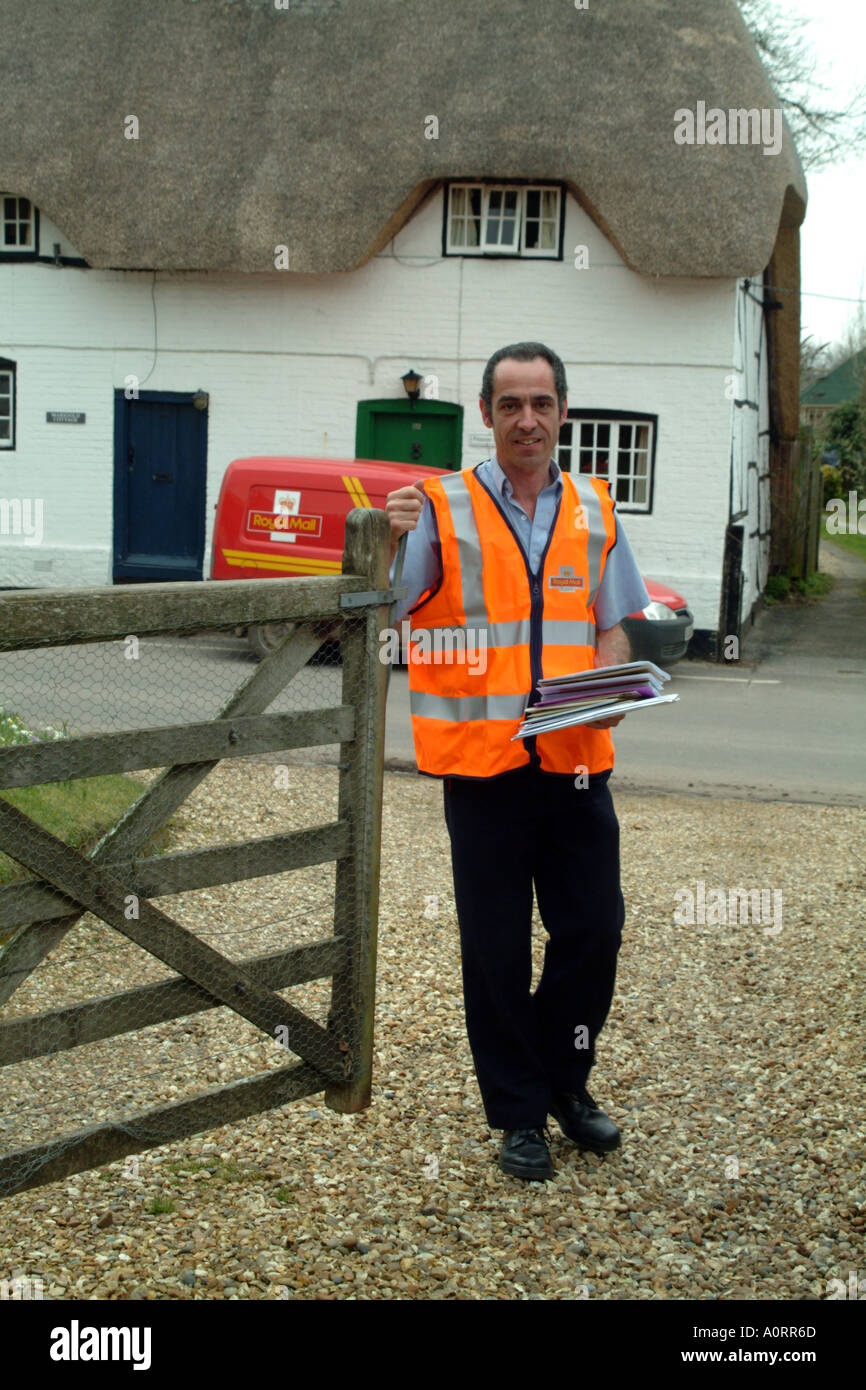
(356, 905)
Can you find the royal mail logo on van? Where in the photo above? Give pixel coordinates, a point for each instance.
(566, 580)
(285, 522)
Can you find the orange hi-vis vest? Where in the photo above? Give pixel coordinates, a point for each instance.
(483, 638)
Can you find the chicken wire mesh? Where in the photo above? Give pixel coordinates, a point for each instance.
(189, 938)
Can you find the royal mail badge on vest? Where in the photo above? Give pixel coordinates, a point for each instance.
(566, 580)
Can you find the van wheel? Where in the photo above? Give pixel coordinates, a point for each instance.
(263, 637)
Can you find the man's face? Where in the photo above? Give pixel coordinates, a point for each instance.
(524, 414)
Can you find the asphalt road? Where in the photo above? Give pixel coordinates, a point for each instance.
(96, 687)
(785, 723)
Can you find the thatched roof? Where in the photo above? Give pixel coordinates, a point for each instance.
(304, 126)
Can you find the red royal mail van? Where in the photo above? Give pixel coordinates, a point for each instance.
(278, 516)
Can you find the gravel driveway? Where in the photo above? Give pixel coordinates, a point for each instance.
(732, 1061)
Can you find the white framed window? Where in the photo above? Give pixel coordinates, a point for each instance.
(16, 230)
(503, 220)
(617, 446)
(7, 404)
(464, 216)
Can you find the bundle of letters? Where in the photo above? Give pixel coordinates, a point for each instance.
(602, 693)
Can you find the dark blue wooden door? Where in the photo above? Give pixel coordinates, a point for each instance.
(160, 465)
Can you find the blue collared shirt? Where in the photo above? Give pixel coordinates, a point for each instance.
(622, 590)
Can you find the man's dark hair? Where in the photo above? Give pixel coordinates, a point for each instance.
(524, 352)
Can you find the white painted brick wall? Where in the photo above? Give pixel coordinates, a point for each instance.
(285, 359)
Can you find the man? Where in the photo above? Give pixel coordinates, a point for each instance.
(536, 562)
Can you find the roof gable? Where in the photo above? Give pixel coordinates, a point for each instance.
(844, 383)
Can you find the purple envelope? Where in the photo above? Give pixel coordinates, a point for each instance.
(598, 694)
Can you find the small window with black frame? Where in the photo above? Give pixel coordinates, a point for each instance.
(617, 446)
(16, 227)
(487, 219)
(7, 404)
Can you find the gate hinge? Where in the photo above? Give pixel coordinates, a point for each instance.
(373, 596)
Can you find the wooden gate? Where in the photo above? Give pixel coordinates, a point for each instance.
(36, 913)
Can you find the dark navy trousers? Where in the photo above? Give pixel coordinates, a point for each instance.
(510, 833)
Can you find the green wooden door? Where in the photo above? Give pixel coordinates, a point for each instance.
(428, 432)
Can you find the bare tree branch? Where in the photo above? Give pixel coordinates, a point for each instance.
(824, 134)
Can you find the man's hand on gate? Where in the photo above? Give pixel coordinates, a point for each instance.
(403, 509)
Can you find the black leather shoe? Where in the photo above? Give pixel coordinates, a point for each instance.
(583, 1122)
(524, 1154)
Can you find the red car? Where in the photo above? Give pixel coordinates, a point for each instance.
(278, 516)
(661, 632)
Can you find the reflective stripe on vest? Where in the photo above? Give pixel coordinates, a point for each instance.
(555, 632)
(467, 705)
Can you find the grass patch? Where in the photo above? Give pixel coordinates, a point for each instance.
(285, 1196)
(78, 811)
(778, 589)
(817, 585)
(781, 589)
(854, 544)
(220, 1170)
(161, 1206)
(190, 1165)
